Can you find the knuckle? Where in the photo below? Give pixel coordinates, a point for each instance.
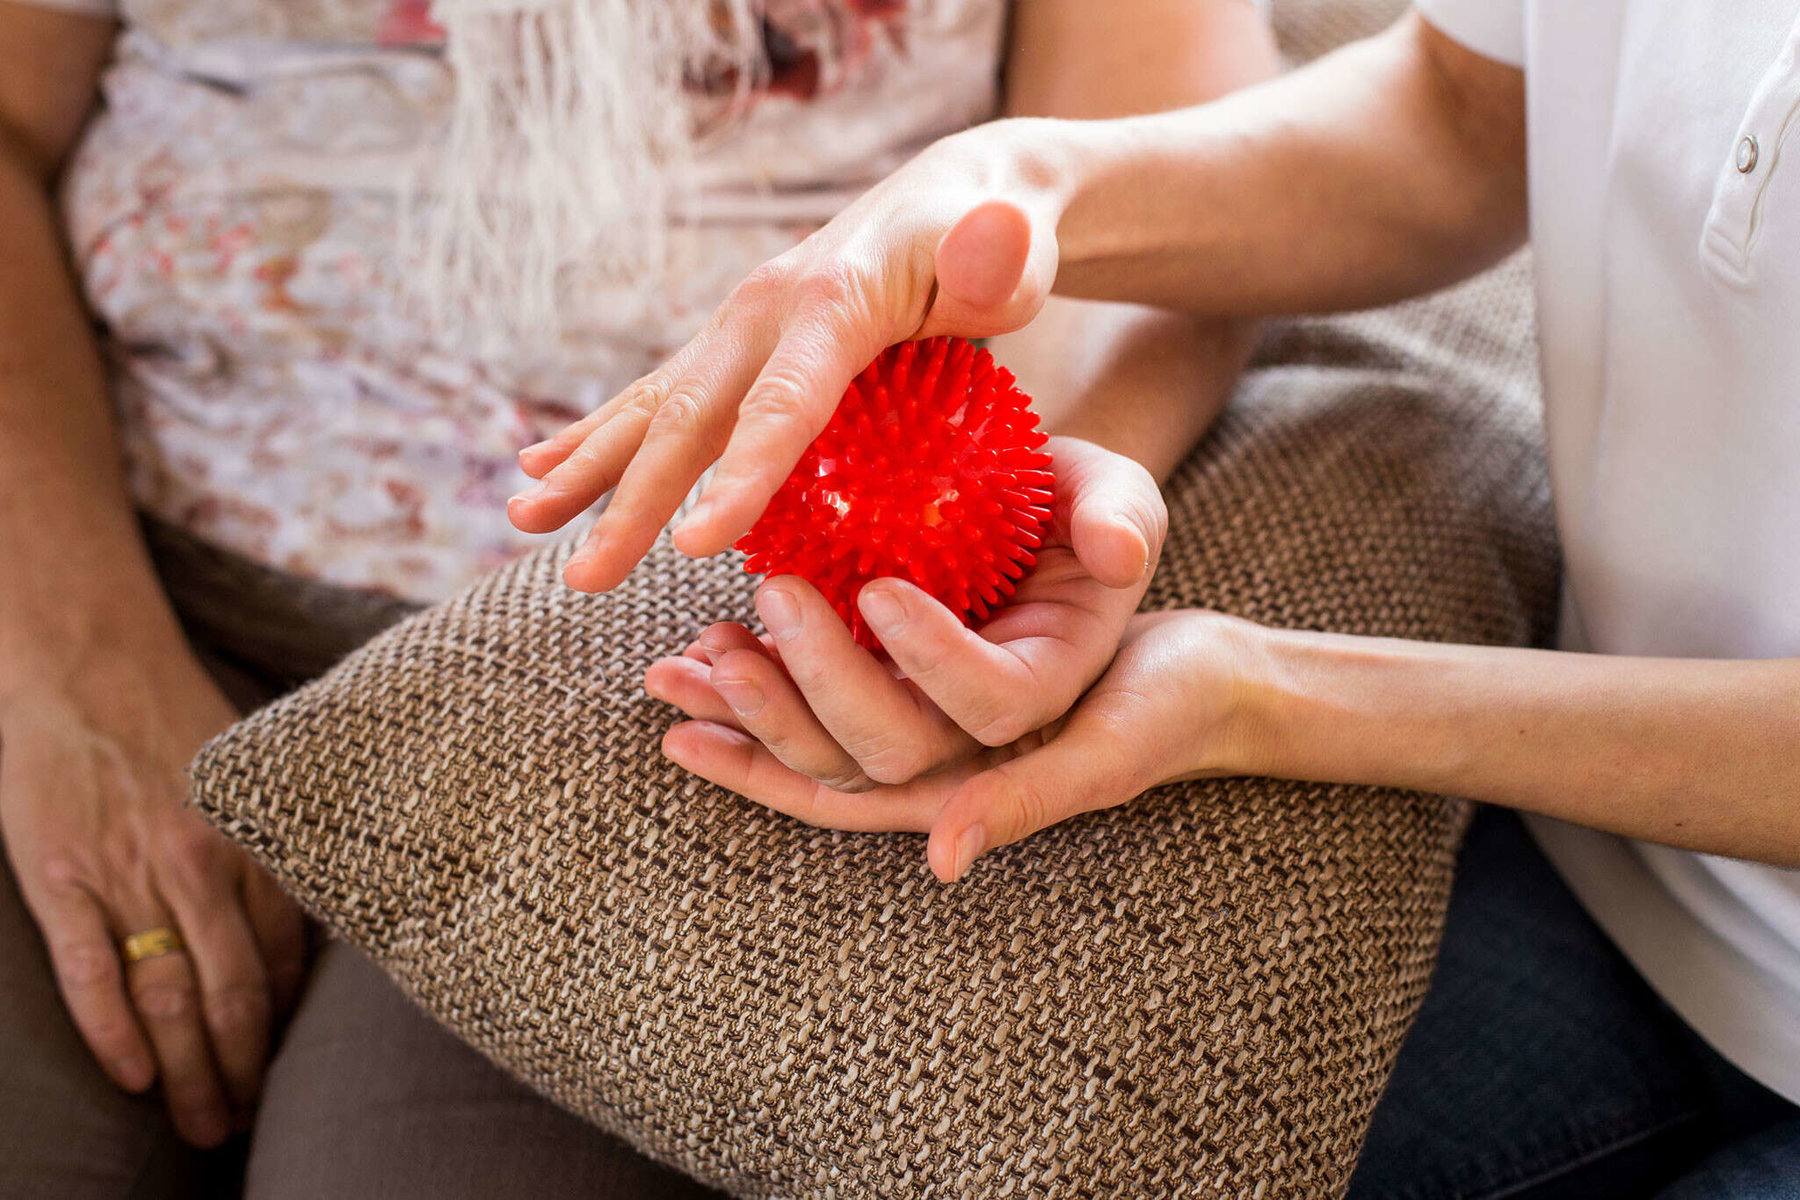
(86, 965)
(834, 282)
(65, 870)
(779, 393)
(681, 414)
(834, 775)
(810, 676)
(238, 1007)
(810, 761)
(848, 781)
(645, 397)
(195, 853)
(110, 1033)
(1119, 718)
(1153, 511)
(1027, 809)
(179, 847)
(166, 999)
(767, 282)
(891, 765)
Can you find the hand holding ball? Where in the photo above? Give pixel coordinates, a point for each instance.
(932, 470)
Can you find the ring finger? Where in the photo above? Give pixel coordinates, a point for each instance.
(166, 993)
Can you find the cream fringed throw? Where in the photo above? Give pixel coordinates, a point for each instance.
(1199, 994)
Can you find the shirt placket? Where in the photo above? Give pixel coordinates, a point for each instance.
(1728, 243)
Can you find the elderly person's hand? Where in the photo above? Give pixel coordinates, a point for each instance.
(960, 241)
(1163, 711)
(829, 709)
(92, 789)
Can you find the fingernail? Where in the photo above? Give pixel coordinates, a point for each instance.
(534, 447)
(1126, 523)
(532, 492)
(713, 643)
(745, 698)
(969, 845)
(883, 611)
(778, 612)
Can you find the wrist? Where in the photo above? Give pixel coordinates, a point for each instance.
(1337, 708)
(1288, 718)
(1228, 675)
(53, 651)
(1038, 162)
(1108, 224)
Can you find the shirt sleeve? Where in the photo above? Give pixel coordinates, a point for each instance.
(1491, 28)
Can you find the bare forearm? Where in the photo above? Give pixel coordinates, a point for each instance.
(73, 571)
(1143, 382)
(1693, 753)
(1385, 170)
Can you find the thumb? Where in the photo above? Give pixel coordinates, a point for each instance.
(993, 274)
(1115, 516)
(1087, 766)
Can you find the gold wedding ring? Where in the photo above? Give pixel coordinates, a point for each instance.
(152, 943)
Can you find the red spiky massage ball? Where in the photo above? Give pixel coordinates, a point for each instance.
(932, 470)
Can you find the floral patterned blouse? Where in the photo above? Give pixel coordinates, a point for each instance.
(233, 213)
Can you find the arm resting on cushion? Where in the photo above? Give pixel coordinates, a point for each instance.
(1694, 753)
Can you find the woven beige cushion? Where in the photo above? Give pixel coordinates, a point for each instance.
(1200, 993)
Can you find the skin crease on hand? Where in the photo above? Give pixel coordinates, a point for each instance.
(961, 241)
(117, 852)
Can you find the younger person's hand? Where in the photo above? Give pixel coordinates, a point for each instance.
(1163, 711)
(959, 241)
(828, 709)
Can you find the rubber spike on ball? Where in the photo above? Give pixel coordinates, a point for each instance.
(932, 470)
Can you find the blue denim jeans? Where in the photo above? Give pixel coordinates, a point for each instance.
(1542, 1066)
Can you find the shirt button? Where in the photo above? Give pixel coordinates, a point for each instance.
(1747, 153)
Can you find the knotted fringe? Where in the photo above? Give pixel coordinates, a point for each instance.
(570, 132)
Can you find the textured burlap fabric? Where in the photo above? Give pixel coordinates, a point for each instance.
(1197, 994)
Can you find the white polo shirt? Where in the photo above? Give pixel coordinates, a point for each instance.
(1665, 224)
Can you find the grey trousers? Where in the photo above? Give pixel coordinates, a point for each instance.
(365, 1096)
